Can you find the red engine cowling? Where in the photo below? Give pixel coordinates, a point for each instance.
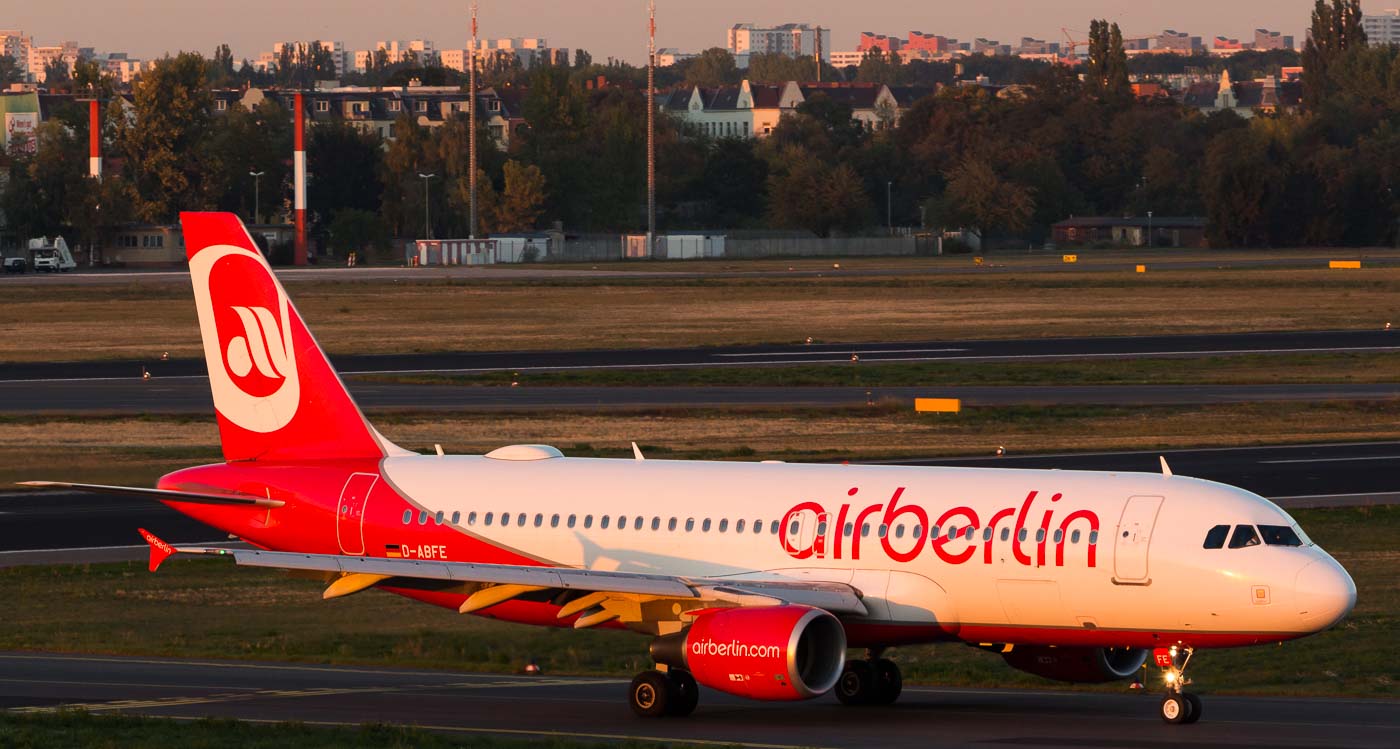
(770, 653)
(1079, 665)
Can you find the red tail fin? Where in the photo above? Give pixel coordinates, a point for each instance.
(276, 394)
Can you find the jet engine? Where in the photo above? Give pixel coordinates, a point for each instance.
(1079, 665)
(768, 653)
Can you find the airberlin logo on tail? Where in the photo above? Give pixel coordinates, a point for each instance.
(245, 320)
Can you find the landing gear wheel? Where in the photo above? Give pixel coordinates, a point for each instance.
(651, 694)
(685, 693)
(888, 682)
(1175, 708)
(1194, 704)
(857, 683)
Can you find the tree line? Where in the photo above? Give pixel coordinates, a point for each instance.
(1009, 163)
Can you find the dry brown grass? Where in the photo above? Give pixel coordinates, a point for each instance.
(139, 450)
(139, 321)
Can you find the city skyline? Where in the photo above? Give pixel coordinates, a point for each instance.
(616, 28)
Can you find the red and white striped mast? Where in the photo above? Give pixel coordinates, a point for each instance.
(299, 179)
(95, 139)
(471, 126)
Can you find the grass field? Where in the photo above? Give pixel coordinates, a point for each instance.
(1244, 369)
(137, 450)
(141, 320)
(74, 729)
(209, 608)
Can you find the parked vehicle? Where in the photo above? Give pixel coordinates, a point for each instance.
(51, 256)
(16, 265)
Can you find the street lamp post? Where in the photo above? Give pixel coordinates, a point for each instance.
(889, 207)
(256, 194)
(427, 223)
(1149, 229)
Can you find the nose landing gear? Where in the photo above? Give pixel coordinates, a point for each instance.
(1178, 705)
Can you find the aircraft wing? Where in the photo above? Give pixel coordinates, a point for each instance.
(608, 595)
(165, 495)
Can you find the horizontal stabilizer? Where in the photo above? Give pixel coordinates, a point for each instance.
(165, 495)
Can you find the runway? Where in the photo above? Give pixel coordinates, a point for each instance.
(191, 396)
(73, 527)
(1014, 350)
(551, 707)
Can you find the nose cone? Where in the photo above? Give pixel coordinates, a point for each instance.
(1325, 593)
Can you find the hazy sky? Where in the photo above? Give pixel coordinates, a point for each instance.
(613, 27)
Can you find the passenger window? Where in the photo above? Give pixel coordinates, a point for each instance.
(471, 518)
(918, 531)
(952, 532)
(554, 521)
(407, 516)
(637, 524)
(603, 522)
(1279, 535)
(689, 524)
(884, 530)
(1021, 535)
(865, 530)
(934, 532)
(821, 528)
(1074, 537)
(1215, 537)
(739, 525)
(489, 516)
(705, 526)
(438, 517)
(505, 519)
(899, 531)
(773, 528)
(587, 522)
(520, 519)
(621, 523)
(656, 524)
(423, 517)
(986, 534)
(1006, 534)
(456, 517)
(850, 529)
(671, 524)
(539, 520)
(758, 526)
(1059, 536)
(572, 518)
(1093, 538)
(1040, 535)
(1244, 535)
(792, 529)
(967, 534)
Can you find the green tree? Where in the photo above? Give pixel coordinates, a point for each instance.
(241, 141)
(734, 182)
(522, 200)
(1106, 69)
(90, 80)
(775, 67)
(878, 67)
(805, 192)
(10, 70)
(359, 231)
(1240, 184)
(714, 67)
(163, 142)
(343, 166)
(1336, 28)
(978, 197)
(409, 155)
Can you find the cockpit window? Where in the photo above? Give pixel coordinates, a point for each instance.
(1244, 535)
(1279, 535)
(1215, 539)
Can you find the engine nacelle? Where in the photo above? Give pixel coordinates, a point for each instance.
(1078, 665)
(768, 653)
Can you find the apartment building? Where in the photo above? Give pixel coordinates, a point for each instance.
(1383, 27)
(792, 39)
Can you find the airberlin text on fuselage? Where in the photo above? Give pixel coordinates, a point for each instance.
(961, 533)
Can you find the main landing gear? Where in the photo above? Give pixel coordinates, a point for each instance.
(1178, 706)
(872, 681)
(656, 694)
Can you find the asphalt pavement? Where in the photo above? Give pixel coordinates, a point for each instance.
(1374, 340)
(548, 708)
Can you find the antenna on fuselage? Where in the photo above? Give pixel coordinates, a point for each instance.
(1166, 469)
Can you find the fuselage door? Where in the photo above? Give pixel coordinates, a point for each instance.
(350, 513)
(1134, 537)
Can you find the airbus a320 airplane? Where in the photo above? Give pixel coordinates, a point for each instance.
(750, 578)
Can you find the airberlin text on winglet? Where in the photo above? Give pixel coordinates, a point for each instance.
(958, 545)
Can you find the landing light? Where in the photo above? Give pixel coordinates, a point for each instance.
(1171, 677)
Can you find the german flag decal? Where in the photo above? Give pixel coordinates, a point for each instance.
(393, 551)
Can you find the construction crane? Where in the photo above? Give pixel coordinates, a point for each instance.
(1071, 56)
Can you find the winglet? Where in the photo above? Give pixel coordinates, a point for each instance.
(160, 550)
(637, 452)
(1166, 469)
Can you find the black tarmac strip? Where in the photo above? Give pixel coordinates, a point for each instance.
(1375, 340)
(190, 395)
(75, 527)
(592, 709)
